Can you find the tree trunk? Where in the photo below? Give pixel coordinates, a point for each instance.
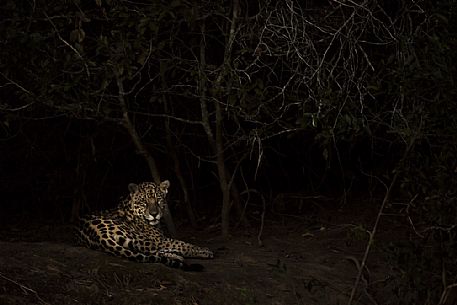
(225, 188)
(142, 151)
(177, 167)
(217, 141)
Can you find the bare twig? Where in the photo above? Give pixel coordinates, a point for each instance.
(262, 222)
(378, 218)
(16, 84)
(68, 44)
(24, 288)
(409, 217)
(446, 293)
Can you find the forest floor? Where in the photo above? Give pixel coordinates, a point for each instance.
(300, 262)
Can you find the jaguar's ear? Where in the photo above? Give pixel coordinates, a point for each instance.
(133, 188)
(164, 185)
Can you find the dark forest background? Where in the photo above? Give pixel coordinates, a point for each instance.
(237, 103)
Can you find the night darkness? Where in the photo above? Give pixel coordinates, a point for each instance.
(309, 144)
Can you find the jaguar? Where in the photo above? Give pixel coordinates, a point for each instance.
(131, 230)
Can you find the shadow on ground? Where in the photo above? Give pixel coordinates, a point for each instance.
(295, 265)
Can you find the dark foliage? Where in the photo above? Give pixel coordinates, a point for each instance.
(273, 96)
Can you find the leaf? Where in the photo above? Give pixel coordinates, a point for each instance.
(141, 58)
(325, 154)
(77, 35)
(308, 234)
(175, 3)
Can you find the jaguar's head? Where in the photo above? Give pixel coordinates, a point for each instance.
(147, 201)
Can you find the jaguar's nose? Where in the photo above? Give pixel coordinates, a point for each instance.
(153, 210)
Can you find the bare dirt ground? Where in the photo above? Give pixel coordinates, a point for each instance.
(297, 264)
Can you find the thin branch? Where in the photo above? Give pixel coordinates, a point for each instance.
(16, 84)
(142, 150)
(445, 294)
(134, 134)
(167, 116)
(68, 44)
(24, 288)
(378, 218)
